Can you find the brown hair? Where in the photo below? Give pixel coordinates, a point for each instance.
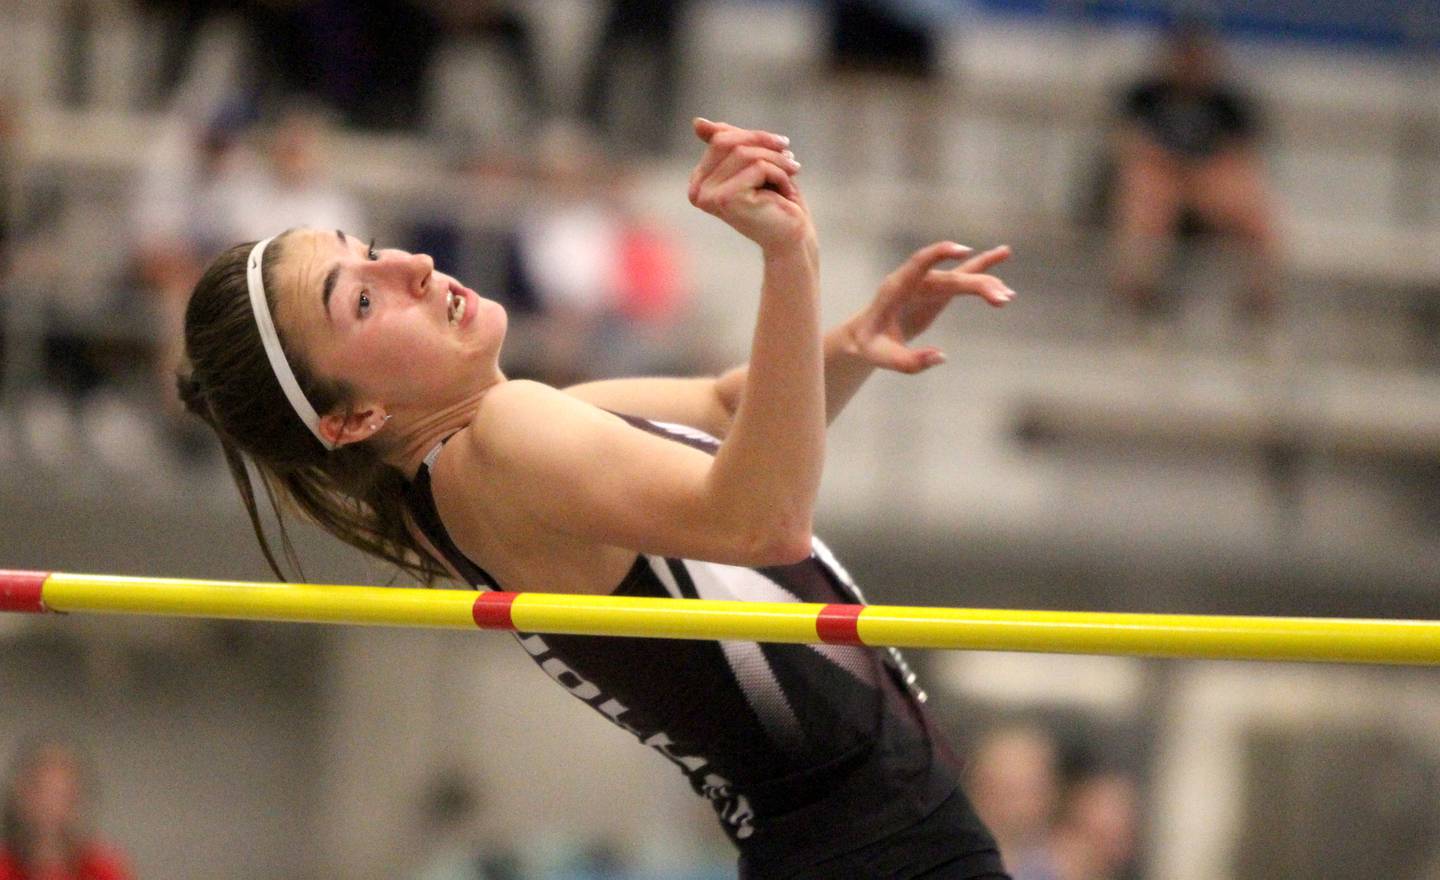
(350, 491)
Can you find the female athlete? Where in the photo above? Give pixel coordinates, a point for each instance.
(365, 387)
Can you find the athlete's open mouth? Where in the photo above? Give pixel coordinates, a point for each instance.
(456, 310)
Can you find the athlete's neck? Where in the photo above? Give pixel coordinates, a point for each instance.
(416, 433)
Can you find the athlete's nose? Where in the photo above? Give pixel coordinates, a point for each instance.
(421, 267)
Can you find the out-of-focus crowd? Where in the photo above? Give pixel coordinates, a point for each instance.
(594, 286)
(1059, 810)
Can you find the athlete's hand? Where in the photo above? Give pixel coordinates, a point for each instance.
(912, 296)
(746, 178)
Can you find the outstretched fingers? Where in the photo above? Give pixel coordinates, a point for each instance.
(987, 260)
(707, 130)
(913, 270)
(956, 283)
(970, 278)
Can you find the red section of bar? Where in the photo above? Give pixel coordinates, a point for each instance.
(839, 624)
(22, 590)
(492, 610)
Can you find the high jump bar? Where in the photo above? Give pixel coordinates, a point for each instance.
(1310, 639)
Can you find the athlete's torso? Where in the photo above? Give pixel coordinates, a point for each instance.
(791, 743)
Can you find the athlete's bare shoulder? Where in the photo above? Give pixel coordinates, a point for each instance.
(521, 417)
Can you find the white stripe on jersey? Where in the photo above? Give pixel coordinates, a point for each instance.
(662, 573)
(685, 431)
(747, 662)
(825, 556)
(761, 589)
(823, 553)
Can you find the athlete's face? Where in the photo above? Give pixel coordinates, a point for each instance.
(385, 322)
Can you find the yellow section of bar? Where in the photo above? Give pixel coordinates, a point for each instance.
(1410, 642)
(242, 600)
(665, 618)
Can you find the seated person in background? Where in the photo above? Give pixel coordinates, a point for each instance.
(45, 834)
(7, 173)
(883, 55)
(1187, 143)
(1095, 833)
(1014, 776)
(226, 177)
(604, 282)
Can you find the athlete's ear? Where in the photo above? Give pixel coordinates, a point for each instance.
(353, 425)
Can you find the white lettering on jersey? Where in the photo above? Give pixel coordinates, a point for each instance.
(733, 808)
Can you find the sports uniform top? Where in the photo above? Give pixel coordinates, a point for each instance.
(803, 750)
(1194, 125)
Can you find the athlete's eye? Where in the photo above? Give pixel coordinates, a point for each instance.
(362, 305)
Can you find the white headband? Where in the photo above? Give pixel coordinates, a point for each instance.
(271, 341)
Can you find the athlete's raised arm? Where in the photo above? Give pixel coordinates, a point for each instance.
(907, 302)
(571, 469)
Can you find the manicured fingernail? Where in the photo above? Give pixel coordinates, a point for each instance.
(783, 139)
(936, 358)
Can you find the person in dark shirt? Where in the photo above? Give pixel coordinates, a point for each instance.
(1187, 143)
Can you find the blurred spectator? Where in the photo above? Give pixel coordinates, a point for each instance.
(1014, 782)
(69, 325)
(604, 284)
(487, 32)
(176, 26)
(596, 859)
(45, 826)
(73, 60)
(292, 187)
(1186, 153)
(884, 54)
(8, 438)
(7, 164)
(207, 185)
(450, 809)
(184, 209)
(366, 61)
(1095, 831)
(8, 132)
(634, 73)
